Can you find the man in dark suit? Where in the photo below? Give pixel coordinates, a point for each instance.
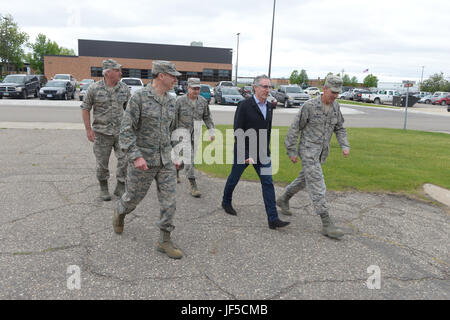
(252, 127)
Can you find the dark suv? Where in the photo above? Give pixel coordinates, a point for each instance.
(19, 85)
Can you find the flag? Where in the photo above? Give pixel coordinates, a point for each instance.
(367, 70)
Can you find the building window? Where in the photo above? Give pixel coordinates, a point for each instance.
(208, 75)
(224, 75)
(96, 72)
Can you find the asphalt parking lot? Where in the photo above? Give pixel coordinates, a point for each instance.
(57, 240)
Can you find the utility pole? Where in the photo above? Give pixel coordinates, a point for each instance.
(237, 59)
(271, 40)
(421, 79)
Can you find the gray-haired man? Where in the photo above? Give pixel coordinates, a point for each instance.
(145, 136)
(108, 98)
(193, 107)
(316, 120)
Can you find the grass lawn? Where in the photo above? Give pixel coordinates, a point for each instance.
(386, 160)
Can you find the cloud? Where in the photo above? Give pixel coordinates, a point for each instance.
(392, 38)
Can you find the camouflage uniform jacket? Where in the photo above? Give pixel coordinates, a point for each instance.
(190, 111)
(108, 104)
(316, 128)
(147, 126)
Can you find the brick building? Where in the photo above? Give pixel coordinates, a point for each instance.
(211, 65)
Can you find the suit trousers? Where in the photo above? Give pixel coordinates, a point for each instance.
(268, 190)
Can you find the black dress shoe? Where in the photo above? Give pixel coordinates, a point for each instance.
(278, 224)
(229, 209)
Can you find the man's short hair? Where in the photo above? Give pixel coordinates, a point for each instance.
(258, 79)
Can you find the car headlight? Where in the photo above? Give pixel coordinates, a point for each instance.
(290, 98)
(59, 91)
(19, 89)
(41, 91)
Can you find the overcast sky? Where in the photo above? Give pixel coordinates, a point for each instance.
(391, 38)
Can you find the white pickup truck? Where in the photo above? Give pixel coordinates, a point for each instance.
(380, 97)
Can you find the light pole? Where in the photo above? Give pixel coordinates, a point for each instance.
(421, 79)
(271, 40)
(237, 58)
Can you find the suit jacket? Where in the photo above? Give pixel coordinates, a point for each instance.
(249, 116)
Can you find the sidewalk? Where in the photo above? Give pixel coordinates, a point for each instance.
(51, 219)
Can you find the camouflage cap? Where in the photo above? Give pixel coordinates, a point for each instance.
(334, 83)
(194, 82)
(165, 67)
(110, 64)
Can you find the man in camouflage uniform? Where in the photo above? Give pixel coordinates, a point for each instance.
(316, 120)
(108, 99)
(193, 107)
(145, 136)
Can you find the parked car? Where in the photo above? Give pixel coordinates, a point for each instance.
(67, 77)
(379, 97)
(345, 95)
(84, 90)
(205, 92)
(246, 91)
(172, 93)
(42, 80)
(85, 83)
(228, 95)
(442, 100)
(426, 99)
(225, 83)
(291, 95)
(57, 89)
(271, 99)
(19, 86)
(133, 84)
(359, 95)
(312, 91)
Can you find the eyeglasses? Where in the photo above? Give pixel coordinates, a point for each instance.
(265, 87)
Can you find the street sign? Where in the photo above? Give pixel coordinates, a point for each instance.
(408, 84)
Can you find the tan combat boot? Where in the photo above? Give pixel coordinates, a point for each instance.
(104, 193)
(118, 222)
(329, 229)
(283, 203)
(194, 190)
(166, 246)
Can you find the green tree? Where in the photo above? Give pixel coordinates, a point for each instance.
(12, 41)
(434, 83)
(354, 81)
(294, 78)
(346, 80)
(370, 81)
(44, 46)
(303, 77)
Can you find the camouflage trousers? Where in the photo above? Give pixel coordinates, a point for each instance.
(103, 145)
(312, 178)
(138, 183)
(189, 168)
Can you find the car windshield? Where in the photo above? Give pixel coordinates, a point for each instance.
(231, 91)
(228, 84)
(87, 80)
(294, 90)
(55, 84)
(14, 79)
(132, 82)
(61, 77)
(204, 89)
